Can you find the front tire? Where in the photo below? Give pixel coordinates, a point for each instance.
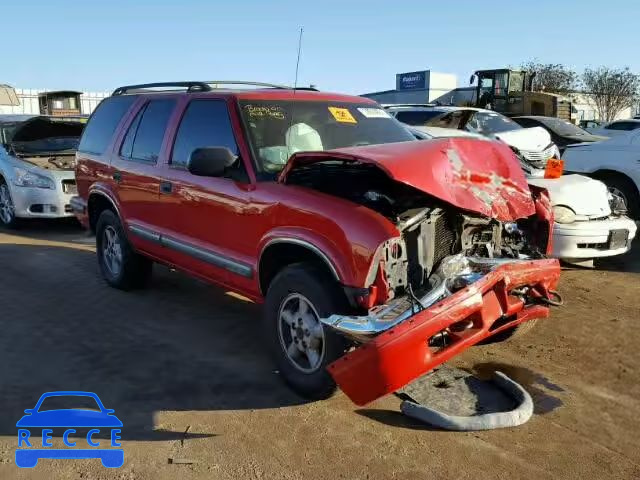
(7, 209)
(120, 265)
(297, 298)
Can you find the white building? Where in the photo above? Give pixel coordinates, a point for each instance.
(417, 87)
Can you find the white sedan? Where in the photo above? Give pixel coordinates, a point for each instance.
(616, 162)
(616, 128)
(589, 221)
(37, 162)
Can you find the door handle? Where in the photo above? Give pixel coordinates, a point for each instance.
(117, 177)
(166, 187)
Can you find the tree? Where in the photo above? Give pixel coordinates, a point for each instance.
(612, 90)
(551, 77)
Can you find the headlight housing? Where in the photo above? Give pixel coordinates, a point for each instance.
(25, 178)
(563, 214)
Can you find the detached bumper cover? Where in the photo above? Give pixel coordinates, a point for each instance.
(401, 354)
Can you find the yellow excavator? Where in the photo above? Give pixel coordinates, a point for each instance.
(510, 92)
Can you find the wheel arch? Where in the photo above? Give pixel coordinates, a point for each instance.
(606, 172)
(277, 253)
(97, 202)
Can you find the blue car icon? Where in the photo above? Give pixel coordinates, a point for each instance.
(69, 418)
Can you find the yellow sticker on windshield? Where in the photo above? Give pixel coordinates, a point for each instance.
(342, 115)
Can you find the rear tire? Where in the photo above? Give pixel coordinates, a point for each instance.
(302, 347)
(120, 265)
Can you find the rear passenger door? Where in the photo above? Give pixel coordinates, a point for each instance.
(135, 170)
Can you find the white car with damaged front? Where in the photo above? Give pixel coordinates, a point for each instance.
(37, 161)
(590, 222)
(534, 144)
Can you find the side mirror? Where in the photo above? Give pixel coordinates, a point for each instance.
(29, 411)
(472, 78)
(210, 161)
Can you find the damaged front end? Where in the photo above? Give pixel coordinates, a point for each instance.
(468, 262)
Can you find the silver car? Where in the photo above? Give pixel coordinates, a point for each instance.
(37, 162)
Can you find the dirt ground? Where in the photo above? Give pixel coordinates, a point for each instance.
(182, 356)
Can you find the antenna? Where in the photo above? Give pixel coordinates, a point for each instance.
(295, 86)
(295, 83)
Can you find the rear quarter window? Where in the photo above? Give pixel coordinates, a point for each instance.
(103, 123)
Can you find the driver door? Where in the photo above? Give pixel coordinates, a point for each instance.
(208, 213)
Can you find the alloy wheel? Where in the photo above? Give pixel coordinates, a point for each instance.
(7, 210)
(301, 333)
(112, 250)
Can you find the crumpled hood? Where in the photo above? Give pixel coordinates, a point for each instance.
(476, 175)
(533, 139)
(583, 195)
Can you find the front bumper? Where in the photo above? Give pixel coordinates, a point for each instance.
(31, 202)
(590, 239)
(399, 355)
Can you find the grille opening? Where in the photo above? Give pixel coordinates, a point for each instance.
(444, 238)
(596, 246)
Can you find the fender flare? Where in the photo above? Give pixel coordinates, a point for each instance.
(328, 258)
(103, 192)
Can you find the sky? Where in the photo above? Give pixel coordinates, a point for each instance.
(348, 46)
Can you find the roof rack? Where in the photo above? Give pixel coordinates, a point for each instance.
(205, 86)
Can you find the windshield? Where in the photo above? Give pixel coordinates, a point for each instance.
(487, 123)
(562, 127)
(67, 402)
(278, 129)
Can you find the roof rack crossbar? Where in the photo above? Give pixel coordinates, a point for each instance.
(190, 86)
(205, 86)
(215, 84)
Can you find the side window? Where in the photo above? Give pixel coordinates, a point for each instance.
(205, 123)
(127, 146)
(416, 117)
(144, 137)
(526, 122)
(102, 125)
(450, 120)
(621, 126)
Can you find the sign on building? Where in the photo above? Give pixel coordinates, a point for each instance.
(411, 81)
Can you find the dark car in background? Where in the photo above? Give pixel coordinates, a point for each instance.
(562, 133)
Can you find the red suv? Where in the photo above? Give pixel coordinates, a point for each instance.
(377, 257)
